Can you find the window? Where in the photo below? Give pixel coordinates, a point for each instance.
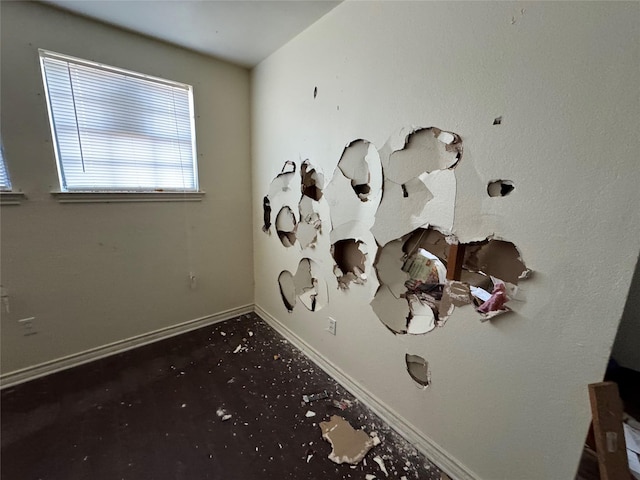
(119, 131)
(5, 183)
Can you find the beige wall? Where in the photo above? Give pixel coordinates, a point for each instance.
(92, 274)
(508, 398)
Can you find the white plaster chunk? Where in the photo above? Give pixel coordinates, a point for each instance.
(348, 445)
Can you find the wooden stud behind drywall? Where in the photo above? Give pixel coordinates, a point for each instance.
(454, 261)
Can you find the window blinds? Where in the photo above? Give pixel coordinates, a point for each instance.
(116, 130)
(5, 183)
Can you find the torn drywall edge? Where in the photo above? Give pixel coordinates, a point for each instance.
(455, 294)
(311, 287)
(350, 257)
(287, 289)
(498, 258)
(266, 215)
(348, 444)
(311, 181)
(425, 150)
(398, 215)
(360, 163)
(500, 188)
(429, 239)
(388, 267)
(282, 181)
(418, 369)
(286, 226)
(344, 204)
(391, 311)
(310, 224)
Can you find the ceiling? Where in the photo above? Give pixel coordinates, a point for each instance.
(241, 31)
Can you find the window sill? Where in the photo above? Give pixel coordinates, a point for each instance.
(12, 198)
(127, 197)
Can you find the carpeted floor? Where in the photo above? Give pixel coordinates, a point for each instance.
(158, 412)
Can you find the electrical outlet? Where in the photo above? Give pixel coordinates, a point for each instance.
(331, 328)
(27, 325)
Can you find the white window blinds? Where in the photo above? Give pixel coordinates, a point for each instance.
(5, 183)
(116, 130)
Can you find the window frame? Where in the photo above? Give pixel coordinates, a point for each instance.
(68, 193)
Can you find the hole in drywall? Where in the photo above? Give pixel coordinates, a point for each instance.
(315, 92)
(266, 214)
(500, 188)
(281, 183)
(412, 276)
(287, 289)
(312, 181)
(418, 369)
(353, 165)
(495, 258)
(286, 226)
(428, 239)
(306, 285)
(497, 120)
(425, 150)
(310, 224)
(350, 259)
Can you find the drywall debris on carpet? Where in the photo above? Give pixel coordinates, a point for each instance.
(348, 444)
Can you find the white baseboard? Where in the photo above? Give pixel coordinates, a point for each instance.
(25, 374)
(425, 445)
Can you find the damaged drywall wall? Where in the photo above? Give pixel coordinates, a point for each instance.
(391, 212)
(419, 182)
(348, 444)
(311, 182)
(350, 257)
(416, 292)
(306, 285)
(280, 185)
(286, 226)
(500, 188)
(418, 370)
(353, 165)
(310, 225)
(353, 211)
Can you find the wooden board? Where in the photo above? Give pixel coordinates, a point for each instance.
(606, 409)
(454, 261)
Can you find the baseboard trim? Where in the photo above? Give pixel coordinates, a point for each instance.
(424, 444)
(30, 373)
